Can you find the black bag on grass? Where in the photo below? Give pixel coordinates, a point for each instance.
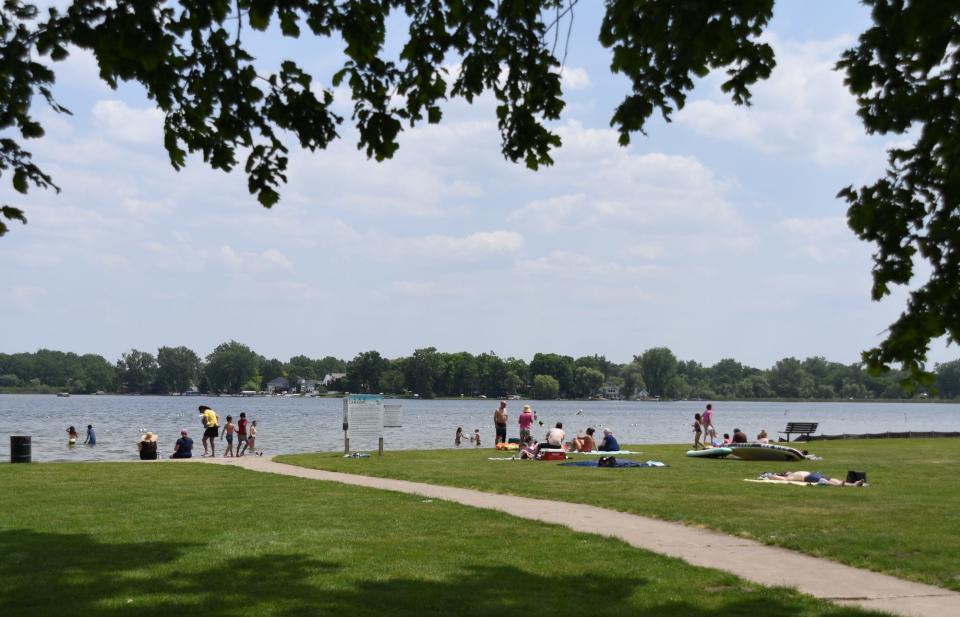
(856, 476)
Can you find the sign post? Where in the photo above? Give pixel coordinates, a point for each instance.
(364, 416)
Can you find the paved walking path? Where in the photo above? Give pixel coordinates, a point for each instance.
(750, 560)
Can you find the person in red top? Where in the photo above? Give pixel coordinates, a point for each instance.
(242, 433)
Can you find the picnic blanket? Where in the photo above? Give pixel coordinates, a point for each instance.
(618, 464)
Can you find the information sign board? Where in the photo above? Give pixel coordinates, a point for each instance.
(363, 416)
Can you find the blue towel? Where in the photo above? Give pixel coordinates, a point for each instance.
(620, 463)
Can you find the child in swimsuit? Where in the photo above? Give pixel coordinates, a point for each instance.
(228, 430)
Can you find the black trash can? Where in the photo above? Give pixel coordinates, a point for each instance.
(19, 448)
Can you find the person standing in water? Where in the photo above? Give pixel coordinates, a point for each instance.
(91, 439)
(72, 435)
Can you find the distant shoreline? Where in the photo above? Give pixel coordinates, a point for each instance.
(55, 391)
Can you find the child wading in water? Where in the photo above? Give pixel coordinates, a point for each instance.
(228, 430)
(72, 436)
(476, 437)
(697, 431)
(459, 437)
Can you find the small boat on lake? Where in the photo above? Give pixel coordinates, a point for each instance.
(63, 394)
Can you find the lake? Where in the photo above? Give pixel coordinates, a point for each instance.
(291, 424)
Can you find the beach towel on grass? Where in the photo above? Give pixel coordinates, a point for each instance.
(779, 482)
(598, 453)
(618, 464)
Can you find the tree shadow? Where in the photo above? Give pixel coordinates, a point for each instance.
(72, 574)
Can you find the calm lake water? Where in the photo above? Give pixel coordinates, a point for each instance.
(314, 424)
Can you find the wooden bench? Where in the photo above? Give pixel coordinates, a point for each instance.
(800, 428)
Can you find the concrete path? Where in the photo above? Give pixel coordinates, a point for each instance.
(747, 559)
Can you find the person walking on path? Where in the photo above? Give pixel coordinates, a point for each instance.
(706, 420)
(500, 423)
(228, 431)
(91, 439)
(526, 423)
(211, 424)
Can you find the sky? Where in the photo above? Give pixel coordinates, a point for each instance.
(717, 235)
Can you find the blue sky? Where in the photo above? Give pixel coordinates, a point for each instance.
(717, 235)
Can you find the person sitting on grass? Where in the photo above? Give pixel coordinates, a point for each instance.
(762, 436)
(585, 442)
(811, 477)
(609, 443)
(739, 436)
(528, 451)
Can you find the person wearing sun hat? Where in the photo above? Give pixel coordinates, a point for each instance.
(184, 446)
(148, 447)
(526, 422)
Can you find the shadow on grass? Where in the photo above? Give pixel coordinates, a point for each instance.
(70, 574)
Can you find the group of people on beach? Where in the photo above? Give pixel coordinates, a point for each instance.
(244, 432)
(705, 434)
(554, 439)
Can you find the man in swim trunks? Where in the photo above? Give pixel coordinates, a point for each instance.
(211, 429)
(500, 423)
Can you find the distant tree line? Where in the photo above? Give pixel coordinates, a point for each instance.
(656, 373)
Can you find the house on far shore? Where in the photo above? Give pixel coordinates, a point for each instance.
(330, 378)
(610, 392)
(309, 386)
(280, 384)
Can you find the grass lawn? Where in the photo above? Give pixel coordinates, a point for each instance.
(162, 539)
(906, 523)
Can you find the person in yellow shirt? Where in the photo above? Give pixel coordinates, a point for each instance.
(211, 428)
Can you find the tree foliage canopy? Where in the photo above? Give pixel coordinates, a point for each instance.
(194, 61)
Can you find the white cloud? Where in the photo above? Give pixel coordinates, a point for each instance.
(473, 247)
(571, 265)
(614, 188)
(803, 107)
(574, 78)
(248, 262)
(822, 239)
(128, 124)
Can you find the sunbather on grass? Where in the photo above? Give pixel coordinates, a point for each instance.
(812, 477)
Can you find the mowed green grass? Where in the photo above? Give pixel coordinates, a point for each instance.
(906, 523)
(161, 539)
